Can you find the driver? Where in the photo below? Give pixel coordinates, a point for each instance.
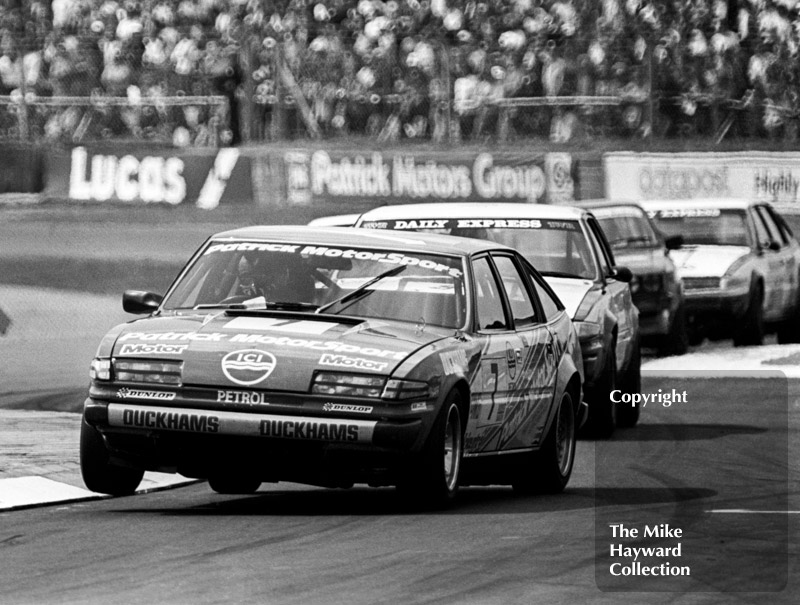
(278, 277)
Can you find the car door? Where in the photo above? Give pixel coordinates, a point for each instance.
(492, 382)
(620, 302)
(531, 360)
(792, 249)
(774, 257)
(786, 259)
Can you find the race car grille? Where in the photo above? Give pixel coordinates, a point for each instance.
(154, 372)
(700, 283)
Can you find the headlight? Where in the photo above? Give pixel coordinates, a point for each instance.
(733, 279)
(348, 385)
(590, 334)
(100, 369)
(157, 372)
(406, 389)
(735, 282)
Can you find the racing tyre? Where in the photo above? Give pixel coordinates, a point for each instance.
(234, 484)
(548, 470)
(99, 474)
(676, 342)
(752, 332)
(602, 411)
(789, 329)
(627, 414)
(433, 478)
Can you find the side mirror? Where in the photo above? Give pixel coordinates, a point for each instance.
(673, 242)
(139, 302)
(622, 274)
(774, 246)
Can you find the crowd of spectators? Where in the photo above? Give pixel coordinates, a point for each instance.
(406, 68)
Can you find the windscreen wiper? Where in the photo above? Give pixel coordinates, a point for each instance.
(362, 289)
(257, 304)
(627, 241)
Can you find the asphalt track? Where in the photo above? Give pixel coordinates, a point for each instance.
(722, 467)
(717, 469)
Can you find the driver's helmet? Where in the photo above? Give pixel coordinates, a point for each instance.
(278, 277)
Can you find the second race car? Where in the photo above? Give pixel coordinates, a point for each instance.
(569, 248)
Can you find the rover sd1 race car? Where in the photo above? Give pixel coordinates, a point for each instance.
(568, 246)
(334, 356)
(740, 267)
(656, 286)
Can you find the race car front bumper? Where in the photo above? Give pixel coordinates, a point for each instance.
(716, 307)
(124, 417)
(201, 443)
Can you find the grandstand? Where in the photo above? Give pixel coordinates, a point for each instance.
(219, 72)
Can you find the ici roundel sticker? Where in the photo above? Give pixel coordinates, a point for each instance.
(248, 366)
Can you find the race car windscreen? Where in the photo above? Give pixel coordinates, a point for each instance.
(362, 282)
(554, 247)
(626, 228)
(703, 226)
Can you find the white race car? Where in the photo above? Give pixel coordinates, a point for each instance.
(740, 267)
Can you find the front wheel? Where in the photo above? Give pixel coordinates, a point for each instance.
(435, 474)
(752, 331)
(99, 473)
(548, 470)
(676, 341)
(628, 414)
(602, 410)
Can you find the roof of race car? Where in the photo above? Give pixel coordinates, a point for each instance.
(721, 203)
(348, 236)
(472, 210)
(603, 203)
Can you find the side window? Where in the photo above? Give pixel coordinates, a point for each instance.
(603, 256)
(786, 232)
(522, 309)
(488, 301)
(774, 232)
(762, 235)
(549, 304)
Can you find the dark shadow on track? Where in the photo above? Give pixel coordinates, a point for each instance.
(684, 432)
(380, 502)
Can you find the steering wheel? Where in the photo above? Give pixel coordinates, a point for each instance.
(320, 276)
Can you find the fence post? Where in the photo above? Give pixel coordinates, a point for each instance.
(247, 93)
(24, 127)
(278, 124)
(649, 113)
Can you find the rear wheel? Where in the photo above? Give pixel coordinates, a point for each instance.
(628, 414)
(99, 473)
(548, 470)
(752, 331)
(434, 476)
(234, 484)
